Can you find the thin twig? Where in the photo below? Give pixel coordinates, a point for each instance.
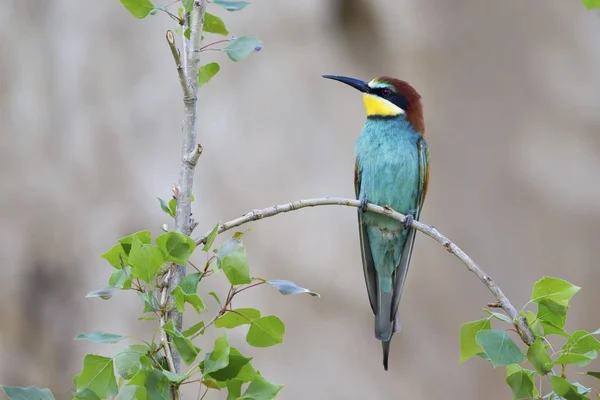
(519, 322)
(187, 92)
(163, 334)
(190, 153)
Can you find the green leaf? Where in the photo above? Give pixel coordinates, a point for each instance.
(498, 316)
(236, 362)
(231, 5)
(214, 296)
(553, 289)
(539, 358)
(591, 4)
(194, 329)
(175, 377)
(288, 287)
(173, 201)
(594, 374)
(97, 376)
(499, 347)
(219, 357)
(105, 292)
(265, 332)
(195, 302)
(205, 74)
(581, 348)
(157, 385)
(247, 373)
(165, 207)
(128, 360)
(577, 359)
(27, 393)
(184, 346)
(237, 317)
(581, 342)
(232, 258)
(145, 260)
(176, 246)
(188, 5)
(115, 255)
(100, 337)
(120, 278)
(534, 323)
(261, 389)
(128, 393)
(468, 344)
(214, 24)
(139, 380)
(179, 298)
(126, 242)
(565, 389)
(241, 48)
(521, 382)
(150, 301)
(186, 292)
(234, 389)
(189, 284)
(210, 239)
(552, 317)
(139, 8)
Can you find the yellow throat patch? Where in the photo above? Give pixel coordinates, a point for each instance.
(376, 106)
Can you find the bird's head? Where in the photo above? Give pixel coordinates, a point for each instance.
(387, 97)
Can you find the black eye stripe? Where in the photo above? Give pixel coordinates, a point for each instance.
(392, 97)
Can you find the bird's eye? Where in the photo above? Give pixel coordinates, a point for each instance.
(385, 92)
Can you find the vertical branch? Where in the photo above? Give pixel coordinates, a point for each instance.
(190, 151)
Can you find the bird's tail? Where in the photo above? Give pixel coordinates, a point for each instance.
(385, 325)
(386, 352)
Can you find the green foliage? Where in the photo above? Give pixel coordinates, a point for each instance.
(468, 331)
(231, 5)
(97, 378)
(231, 258)
(205, 74)
(100, 337)
(242, 47)
(498, 347)
(27, 393)
(139, 8)
(521, 382)
(288, 287)
(552, 297)
(184, 346)
(176, 247)
(591, 4)
(539, 358)
(142, 370)
(214, 24)
(145, 260)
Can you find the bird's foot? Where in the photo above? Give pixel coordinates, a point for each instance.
(408, 220)
(363, 205)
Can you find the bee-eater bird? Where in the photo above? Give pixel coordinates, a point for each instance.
(391, 169)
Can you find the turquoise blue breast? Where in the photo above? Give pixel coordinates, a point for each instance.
(388, 156)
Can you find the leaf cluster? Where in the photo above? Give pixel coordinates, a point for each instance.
(533, 371)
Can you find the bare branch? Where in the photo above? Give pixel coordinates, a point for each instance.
(163, 334)
(190, 153)
(519, 322)
(187, 92)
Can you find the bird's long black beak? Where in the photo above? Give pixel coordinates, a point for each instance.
(355, 83)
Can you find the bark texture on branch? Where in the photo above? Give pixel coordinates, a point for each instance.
(519, 322)
(188, 73)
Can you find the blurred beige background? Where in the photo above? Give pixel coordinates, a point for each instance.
(90, 115)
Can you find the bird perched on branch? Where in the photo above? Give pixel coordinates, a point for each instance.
(391, 169)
